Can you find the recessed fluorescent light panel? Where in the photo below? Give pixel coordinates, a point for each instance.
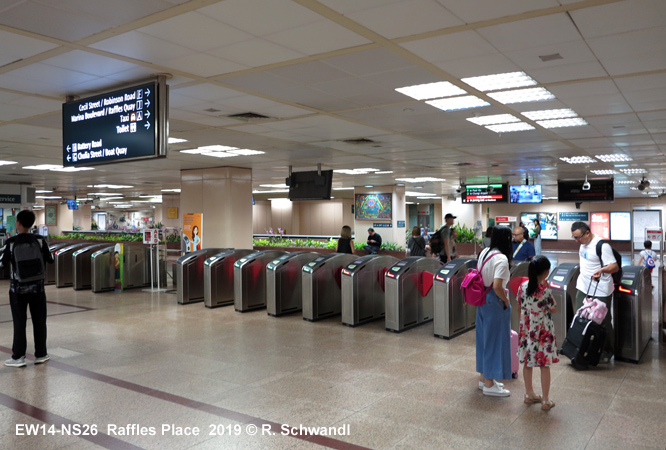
(604, 172)
(56, 168)
(522, 95)
(362, 171)
(7, 163)
(221, 151)
(458, 103)
(173, 140)
(170, 190)
(617, 157)
(494, 120)
(510, 127)
(418, 194)
(431, 90)
(625, 182)
(110, 186)
(277, 186)
(549, 114)
(383, 172)
(47, 197)
(561, 123)
(578, 160)
(420, 180)
(72, 169)
(42, 191)
(633, 171)
(344, 189)
(499, 81)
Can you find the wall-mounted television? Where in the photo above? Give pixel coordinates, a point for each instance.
(486, 193)
(620, 226)
(310, 185)
(525, 193)
(72, 204)
(572, 191)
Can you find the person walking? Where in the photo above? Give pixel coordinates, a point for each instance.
(416, 244)
(345, 243)
(27, 254)
(536, 233)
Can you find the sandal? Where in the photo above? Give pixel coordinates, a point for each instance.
(532, 399)
(547, 405)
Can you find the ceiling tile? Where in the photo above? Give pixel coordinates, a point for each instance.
(15, 47)
(324, 36)
(474, 12)
(255, 52)
(202, 65)
(142, 47)
(643, 13)
(450, 47)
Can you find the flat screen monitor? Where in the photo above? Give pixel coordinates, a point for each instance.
(123, 125)
(486, 193)
(572, 191)
(524, 193)
(72, 204)
(310, 185)
(620, 226)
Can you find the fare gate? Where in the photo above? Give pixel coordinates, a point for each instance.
(322, 282)
(363, 286)
(250, 280)
(562, 282)
(219, 277)
(452, 315)
(51, 268)
(190, 275)
(518, 272)
(632, 311)
(409, 296)
(82, 266)
(64, 265)
(284, 285)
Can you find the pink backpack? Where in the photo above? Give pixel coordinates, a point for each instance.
(473, 290)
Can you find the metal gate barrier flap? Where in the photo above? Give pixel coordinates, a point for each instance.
(321, 280)
(103, 270)
(452, 315)
(64, 265)
(51, 268)
(363, 289)
(190, 275)
(82, 266)
(562, 283)
(632, 311)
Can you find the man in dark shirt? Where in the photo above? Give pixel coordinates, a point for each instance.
(374, 242)
(26, 294)
(523, 250)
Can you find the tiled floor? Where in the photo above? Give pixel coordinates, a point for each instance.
(140, 358)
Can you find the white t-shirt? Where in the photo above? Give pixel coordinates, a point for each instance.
(589, 263)
(496, 267)
(644, 254)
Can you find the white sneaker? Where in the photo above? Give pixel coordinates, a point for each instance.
(42, 359)
(482, 384)
(15, 362)
(496, 391)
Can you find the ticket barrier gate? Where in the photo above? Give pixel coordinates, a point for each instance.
(518, 272)
(190, 275)
(322, 282)
(284, 285)
(64, 265)
(452, 315)
(219, 277)
(562, 282)
(103, 272)
(632, 311)
(409, 295)
(250, 279)
(51, 268)
(82, 266)
(363, 286)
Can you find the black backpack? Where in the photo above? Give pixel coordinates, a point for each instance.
(436, 241)
(617, 276)
(28, 261)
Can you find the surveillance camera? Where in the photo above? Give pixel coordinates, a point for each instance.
(586, 186)
(458, 190)
(641, 187)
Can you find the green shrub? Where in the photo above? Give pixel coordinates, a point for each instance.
(465, 235)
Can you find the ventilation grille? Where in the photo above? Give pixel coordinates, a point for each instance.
(246, 117)
(551, 57)
(359, 141)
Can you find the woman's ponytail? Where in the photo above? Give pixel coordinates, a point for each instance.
(536, 267)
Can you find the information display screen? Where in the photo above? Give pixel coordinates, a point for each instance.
(620, 226)
(118, 126)
(525, 193)
(572, 191)
(486, 193)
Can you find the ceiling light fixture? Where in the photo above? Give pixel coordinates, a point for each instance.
(7, 163)
(633, 171)
(420, 179)
(431, 90)
(110, 186)
(561, 123)
(510, 80)
(522, 95)
(616, 157)
(578, 159)
(494, 120)
(173, 140)
(458, 103)
(170, 190)
(510, 127)
(549, 114)
(604, 172)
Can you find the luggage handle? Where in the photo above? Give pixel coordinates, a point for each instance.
(587, 294)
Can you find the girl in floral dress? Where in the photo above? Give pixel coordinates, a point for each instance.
(537, 346)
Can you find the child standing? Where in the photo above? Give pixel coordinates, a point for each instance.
(537, 346)
(648, 256)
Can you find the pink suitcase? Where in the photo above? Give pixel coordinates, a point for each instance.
(514, 354)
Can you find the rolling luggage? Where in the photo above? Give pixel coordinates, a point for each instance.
(514, 355)
(584, 342)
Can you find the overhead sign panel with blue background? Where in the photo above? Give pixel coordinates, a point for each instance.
(122, 125)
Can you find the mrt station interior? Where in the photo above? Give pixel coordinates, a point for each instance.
(214, 130)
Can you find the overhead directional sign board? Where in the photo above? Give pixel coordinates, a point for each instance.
(122, 125)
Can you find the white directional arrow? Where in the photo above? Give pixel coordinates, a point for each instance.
(68, 148)
(147, 125)
(69, 158)
(147, 103)
(147, 114)
(147, 92)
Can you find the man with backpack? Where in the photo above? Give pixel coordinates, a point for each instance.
(27, 254)
(446, 236)
(598, 261)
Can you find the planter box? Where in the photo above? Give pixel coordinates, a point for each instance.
(324, 251)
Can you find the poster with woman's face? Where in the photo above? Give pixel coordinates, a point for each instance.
(192, 232)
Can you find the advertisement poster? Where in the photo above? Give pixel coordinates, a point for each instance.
(118, 264)
(50, 215)
(192, 232)
(11, 226)
(548, 223)
(528, 219)
(600, 224)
